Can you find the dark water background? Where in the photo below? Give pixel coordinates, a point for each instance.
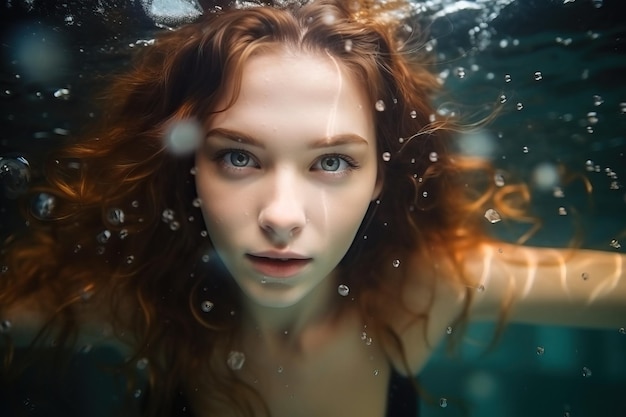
(579, 49)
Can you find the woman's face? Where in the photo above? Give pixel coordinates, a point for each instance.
(286, 174)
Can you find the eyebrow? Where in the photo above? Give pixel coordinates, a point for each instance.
(327, 142)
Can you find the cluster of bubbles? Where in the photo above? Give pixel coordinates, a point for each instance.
(168, 217)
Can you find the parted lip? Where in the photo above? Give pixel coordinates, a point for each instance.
(279, 255)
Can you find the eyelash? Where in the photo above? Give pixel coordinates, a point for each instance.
(219, 158)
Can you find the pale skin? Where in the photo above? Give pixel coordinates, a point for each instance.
(290, 169)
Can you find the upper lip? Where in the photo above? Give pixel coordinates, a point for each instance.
(279, 255)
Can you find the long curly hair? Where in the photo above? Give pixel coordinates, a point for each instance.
(126, 229)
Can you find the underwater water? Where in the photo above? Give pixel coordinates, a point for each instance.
(556, 68)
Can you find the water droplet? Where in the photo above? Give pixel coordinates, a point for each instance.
(5, 326)
(586, 372)
(115, 216)
(386, 156)
(167, 215)
(562, 211)
(343, 290)
(62, 93)
(507, 78)
(449, 330)
(348, 45)
(492, 216)
(43, 205)
(380, 105)
(585, 276)
(459, 72)
(443, 402)
(413, 114)
(396, 263)
(540, 350)
(103, 237)
(235, 360)
(538, 76)
(502, 98)
(142, 364)
(519, 106)
(433, 157)
(615, 244)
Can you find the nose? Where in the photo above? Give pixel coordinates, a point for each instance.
(283, 216)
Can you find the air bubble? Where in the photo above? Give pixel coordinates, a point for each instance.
(459, 72)
(376, 372)
(538, 76)
(348, 45)
(115, 216)
(597, 100)
(235, 360)
(174, 225)
(386, 156)
(14, 175)
(396, 263)
(413, 114)
(519, 106)
(5, 326)
(562, 211)
(622, 330)
(502, 98)
(540, 350)
(280, 369)
(142, 364)
(492, 216)
(380, 105)
(130, 259)
(586, 372)
(615, 244)
(592, 117)
(525, 149)
(206, 306)
(62, 93)
(343, 290)
(507, 78)
(43, 205)
(123, 234)
(103, 237)
(167, 215)
(433, 157)
(622, 107)
(206, 258)
(449, 330)
(498, 179)
(443, 402)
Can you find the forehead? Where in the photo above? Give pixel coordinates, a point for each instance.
(310, 91)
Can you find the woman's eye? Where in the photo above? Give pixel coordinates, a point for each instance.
(335, 163)
(238, 159)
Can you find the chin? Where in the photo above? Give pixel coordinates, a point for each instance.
(275, 295)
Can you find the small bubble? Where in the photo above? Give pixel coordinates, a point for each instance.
(449, 330)
(525, 149)
(615, 244)
(592, 117)
(348, 45)
(502, 98)
(135, 204)
(280, 369)
(557, 192)
(586, 372)
(206, 258)
(396, 263)
(130, 259)
(123, 234)
(538, 76)
(43, 205)
(433, 157)
(413, 114)
(622, 107)
(103, 237)
(137, 393)
(507, 78)
(498, 179)
(492, 216)
(235, 360)
(376, 372)
(519, 106)
(206, 306)
(167, 215)
(5, 326)
(425, 194)
(380, 105)
(115, 216)
(174, 225)
(443, 402)
(622, 330)
(196, 202)
(459, 72)
(142, 364)
(562, 211)
(62, 93)
(540, 350)
(343, 290)
(193, 170)
(386, 156)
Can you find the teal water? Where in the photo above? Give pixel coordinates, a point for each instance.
(560, 66)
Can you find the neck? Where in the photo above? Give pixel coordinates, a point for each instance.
(281, 326)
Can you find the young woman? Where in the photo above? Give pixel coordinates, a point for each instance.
(319, 242)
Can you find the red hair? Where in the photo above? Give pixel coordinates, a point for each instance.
(152, 266)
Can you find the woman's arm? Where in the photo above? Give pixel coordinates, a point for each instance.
(572, 287)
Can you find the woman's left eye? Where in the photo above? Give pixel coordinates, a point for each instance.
(335, 163)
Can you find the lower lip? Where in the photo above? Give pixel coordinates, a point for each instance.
(277, 268)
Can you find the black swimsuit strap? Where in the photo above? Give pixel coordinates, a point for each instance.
(402, 398)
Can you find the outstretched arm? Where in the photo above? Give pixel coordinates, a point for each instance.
(549, 286)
